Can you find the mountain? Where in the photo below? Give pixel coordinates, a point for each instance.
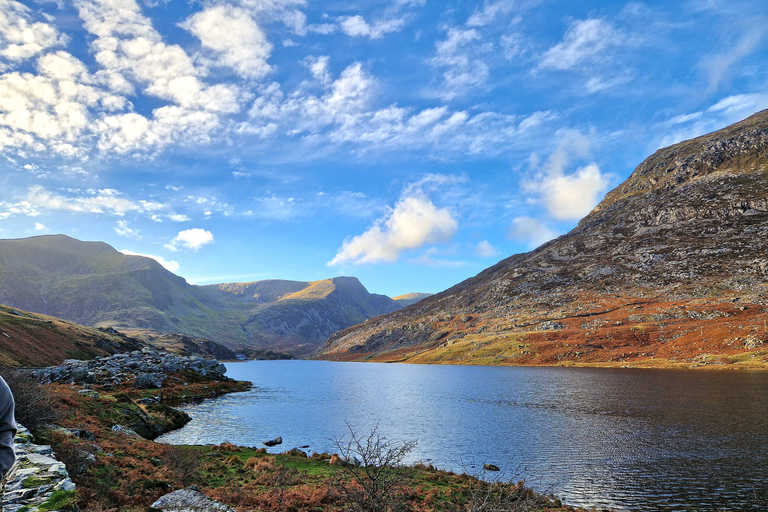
(301, 315)
(410, 298)
(93, 284)
(669, 269)
(29, 339)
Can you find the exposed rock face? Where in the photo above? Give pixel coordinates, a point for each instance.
(690, 224)
(35, 476)
(189, 500)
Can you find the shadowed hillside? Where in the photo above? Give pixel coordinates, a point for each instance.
(301, 314)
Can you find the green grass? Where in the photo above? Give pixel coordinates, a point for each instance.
(60, 500)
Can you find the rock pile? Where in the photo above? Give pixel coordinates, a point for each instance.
(36, 477)
(148, 367)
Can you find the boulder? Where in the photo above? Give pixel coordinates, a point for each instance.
(120, 429)
(491, 467)
(189, 500)
(150, 380)
(273, 442)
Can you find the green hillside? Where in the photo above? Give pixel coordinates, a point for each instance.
(93, 284)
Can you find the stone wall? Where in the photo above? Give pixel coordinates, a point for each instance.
(35, 477)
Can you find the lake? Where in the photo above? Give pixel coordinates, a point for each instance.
(626, 439)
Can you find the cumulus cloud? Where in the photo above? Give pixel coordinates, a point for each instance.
(569, 196)
(484, 249)
(530, 231)
(123, 228)
(584, 40)
(21, 37)
(39, 226)
(415, 221)
(171, 265)
(235, 37)
(126, 43)
(356, 26)
(192, 239)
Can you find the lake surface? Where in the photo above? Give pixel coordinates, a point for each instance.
(650, 440)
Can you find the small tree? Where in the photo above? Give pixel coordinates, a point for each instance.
(372, 477)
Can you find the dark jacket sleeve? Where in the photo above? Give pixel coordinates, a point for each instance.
(7, 429)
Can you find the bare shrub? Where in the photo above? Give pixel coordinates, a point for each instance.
(372, 477)
(184, 462)
(35, 403)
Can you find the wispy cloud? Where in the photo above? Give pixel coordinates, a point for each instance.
(530, 231)
(584, 41)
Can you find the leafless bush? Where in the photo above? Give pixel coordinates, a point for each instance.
(372, 477)
(184, 462)
(35, 404)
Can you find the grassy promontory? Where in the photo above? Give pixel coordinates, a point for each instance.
(118, 472)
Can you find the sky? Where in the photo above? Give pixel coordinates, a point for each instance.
(409, 143)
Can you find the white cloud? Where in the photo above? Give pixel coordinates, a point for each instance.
(127, 44)
(356, 26)
(123, 228)
(414, 222)
(572, 196)
(192, 239)
(484, 249)
(569, 196)
(458, 54)
(171, 265)
(490, 12)
(235, 37)
(724, 112)
(530, 231)
(91, 201)
(718, 67)
(20, 36)
(583, 41)
(39, 226)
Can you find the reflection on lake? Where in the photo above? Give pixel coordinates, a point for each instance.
(665, 440)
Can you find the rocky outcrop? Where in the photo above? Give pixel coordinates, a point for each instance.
(189, 500)
(37, 479)
(148, 368)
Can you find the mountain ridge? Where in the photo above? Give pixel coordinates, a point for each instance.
(685, 229)
(91, 283)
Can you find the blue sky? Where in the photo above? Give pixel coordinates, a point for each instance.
(410, 143)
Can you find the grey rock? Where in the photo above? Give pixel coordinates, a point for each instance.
(150, 380)
(189, 500)
(120, 429)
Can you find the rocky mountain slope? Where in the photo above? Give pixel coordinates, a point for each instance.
(93, 284)
(670, 268)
